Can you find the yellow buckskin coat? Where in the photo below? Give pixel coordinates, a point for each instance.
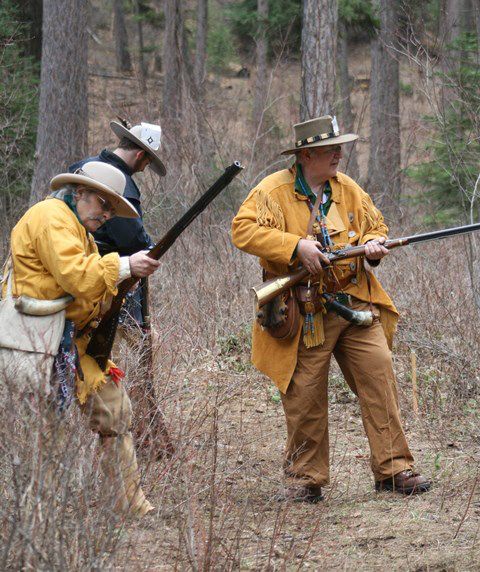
(269, 225)
(54, 255)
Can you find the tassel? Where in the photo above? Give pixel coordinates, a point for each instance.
(116, 374)
(313, 333)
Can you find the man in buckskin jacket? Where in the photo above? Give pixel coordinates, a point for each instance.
(272, 224)
(53, 255)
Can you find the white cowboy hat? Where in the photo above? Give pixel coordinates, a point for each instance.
(318, 132)
(148, 137)
(106, 180)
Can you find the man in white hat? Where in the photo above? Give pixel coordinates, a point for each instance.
(55, 287)
(138, 148)
(287, 220)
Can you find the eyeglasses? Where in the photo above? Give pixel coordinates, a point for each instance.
(106, 205)
(333, 150)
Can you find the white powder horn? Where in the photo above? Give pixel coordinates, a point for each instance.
(34, 307)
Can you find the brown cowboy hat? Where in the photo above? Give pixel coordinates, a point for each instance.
(108, 181)
(148, 137)
(318, 132)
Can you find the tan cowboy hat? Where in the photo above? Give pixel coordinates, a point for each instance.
(318, 132)
(148, 137)
(106, 180)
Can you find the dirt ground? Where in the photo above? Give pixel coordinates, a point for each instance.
(216, 501)
(216, 505)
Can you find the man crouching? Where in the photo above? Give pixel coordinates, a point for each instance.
(55, 286)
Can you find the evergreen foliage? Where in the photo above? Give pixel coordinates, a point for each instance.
(359, 18)
(451, 174)
(220, 50)
(18, 108)
(284, 24)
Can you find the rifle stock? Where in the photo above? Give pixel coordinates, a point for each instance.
(270, 289)
(101, 342)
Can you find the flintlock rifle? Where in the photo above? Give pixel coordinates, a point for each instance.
(270, 289)
(101, 342)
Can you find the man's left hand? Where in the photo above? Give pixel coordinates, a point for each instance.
(374, 249)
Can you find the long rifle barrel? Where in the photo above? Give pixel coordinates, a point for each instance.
(101, 343)
(270, 289)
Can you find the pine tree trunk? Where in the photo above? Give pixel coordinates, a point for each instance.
(384, 172)
(182, 110)
(172, 58)
(201, 44)
(31, 11)
(261, 60)
(142, 69)
(346, 114)
(122, 54)
(63, 109)
(450, 29)
(319, 52)
(476, 11)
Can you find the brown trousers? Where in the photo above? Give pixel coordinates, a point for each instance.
(365, 360)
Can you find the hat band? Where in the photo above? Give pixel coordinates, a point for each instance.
(315, 138)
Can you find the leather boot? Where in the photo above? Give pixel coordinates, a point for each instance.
(301, 493)
(119, 464)
(407, 483)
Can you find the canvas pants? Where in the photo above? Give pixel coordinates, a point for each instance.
(365, 360)
(24, 386)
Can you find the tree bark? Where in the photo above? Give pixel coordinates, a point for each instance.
(476, 10)
(122, 54)
(142, 69)
(319, 52)
(346, 113)
(384, 173)
(451, 16)
(31, 11)
(182, 110)
(172, 58)
(201, 44)
(63, 108)
(261, 57)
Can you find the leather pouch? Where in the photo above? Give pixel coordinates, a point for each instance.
(281, 316)
(39, 334)
(303, 296)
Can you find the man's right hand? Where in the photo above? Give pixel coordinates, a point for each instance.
(310, 255)
(142, 265)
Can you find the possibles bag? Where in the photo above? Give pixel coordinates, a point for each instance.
(39, 334)
(281, 316)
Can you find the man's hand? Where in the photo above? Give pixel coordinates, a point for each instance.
(310, 255)
(142, 265)
(374, 249)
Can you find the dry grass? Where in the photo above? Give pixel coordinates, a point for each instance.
(216, 505)
(215, 499)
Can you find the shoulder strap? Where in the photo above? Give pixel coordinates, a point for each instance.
(314, 212)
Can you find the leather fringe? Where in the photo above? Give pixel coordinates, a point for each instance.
(269, 213)
(317, 337)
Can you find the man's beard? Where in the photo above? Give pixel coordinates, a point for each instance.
(96, 218)
(137, 165)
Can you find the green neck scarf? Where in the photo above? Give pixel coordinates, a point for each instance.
(68, 200)
(302, 187)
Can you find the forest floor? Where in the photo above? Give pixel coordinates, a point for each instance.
(216, 505)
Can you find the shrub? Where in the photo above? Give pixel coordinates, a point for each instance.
(449, 176)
